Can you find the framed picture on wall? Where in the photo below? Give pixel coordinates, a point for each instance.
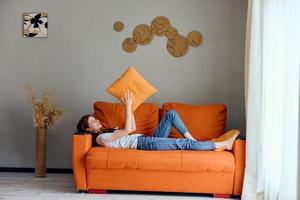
(35, 25)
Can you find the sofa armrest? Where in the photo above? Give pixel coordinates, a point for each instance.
(80, 145)
(239, 150)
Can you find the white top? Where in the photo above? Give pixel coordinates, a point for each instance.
(127, 141)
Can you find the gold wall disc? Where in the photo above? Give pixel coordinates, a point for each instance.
(160, 25)
(118, 26)
(171, 33)
(178, 47)
(142, 34)
(129, 45)
(194, 38)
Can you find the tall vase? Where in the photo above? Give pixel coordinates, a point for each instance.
(41, 152)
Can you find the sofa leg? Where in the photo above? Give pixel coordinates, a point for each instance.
(222, 196)
(82, 191)
(97, 191)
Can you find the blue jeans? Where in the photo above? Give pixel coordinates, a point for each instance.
(160, 140)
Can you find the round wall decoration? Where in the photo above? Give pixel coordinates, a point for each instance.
(160, 25)
(178, 47)
(194, 38)
(171, 33)
(129, 45)
(142, 34)
(118, 26)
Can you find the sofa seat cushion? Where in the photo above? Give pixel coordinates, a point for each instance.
(174, 160)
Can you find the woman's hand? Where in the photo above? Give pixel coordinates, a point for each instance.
(127, 99)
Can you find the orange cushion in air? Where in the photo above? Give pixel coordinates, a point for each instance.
(133, 81)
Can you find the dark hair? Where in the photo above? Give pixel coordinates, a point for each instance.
(83, 125)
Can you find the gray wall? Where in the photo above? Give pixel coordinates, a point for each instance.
(82, 56)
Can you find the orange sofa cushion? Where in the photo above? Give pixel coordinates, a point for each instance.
(113, 115)
(203, 121)
(175, 160)
(133, 81)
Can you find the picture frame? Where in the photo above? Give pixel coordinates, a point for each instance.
(35, 25)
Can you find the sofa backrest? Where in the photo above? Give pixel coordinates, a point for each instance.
(203, 121)
(113, 115)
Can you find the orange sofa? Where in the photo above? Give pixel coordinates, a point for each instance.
(99, 168)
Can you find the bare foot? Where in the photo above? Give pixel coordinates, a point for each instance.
(227, 144)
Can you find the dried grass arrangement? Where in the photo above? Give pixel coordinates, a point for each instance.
(45, 113)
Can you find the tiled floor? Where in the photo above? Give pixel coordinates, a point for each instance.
(61, 186)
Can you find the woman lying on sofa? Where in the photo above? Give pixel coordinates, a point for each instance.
(120, 138)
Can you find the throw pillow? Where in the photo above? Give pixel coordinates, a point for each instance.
(203, 121)
(113, 115)
(133, 81)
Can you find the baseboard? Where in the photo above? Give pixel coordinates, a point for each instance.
(24, 169)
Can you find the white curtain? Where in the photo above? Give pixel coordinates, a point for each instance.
(272, 65)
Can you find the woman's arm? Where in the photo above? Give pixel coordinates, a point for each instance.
(129, 123)
(128, 108)
(133, 121)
